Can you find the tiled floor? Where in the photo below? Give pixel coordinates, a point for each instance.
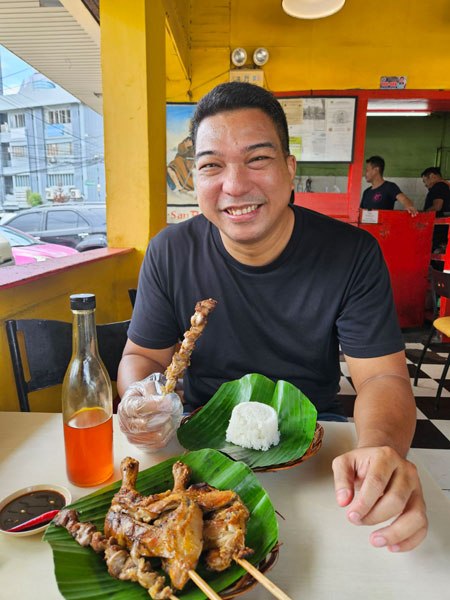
(431, 441)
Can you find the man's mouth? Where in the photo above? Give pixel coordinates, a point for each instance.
(236, 212)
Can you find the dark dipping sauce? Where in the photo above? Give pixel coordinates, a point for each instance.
(26, 507)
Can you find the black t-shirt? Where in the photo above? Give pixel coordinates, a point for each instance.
(440, 190)
(285, 320)
(381, 198)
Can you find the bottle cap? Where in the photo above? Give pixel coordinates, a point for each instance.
(82, 301)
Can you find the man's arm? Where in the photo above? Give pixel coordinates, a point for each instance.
(387, 484)
(436, 206)
(403, 198)
(139, 362)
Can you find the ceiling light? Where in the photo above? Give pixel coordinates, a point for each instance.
(239, 57)
(398, 113)
(260, 56)
(311, 9)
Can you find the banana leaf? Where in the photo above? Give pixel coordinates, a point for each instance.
(81, 574)
(297, 418)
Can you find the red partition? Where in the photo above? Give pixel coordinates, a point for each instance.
(406, 245)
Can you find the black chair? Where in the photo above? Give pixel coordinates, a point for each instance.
(48, 349)
(440, 288)
(132, 294)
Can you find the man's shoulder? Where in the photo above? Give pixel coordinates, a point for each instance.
(391, 186)
(314, 221)
(190, 228)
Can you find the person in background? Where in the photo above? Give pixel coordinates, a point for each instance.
(438, 201)
(382, 194)
(293, 286)
(438, 197)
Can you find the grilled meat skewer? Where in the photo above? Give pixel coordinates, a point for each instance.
(119, 561)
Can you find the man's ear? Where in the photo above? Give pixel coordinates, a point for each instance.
(291, 163)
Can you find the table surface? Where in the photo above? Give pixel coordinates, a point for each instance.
(323, 556)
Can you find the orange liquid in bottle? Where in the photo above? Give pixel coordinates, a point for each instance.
(89, 447)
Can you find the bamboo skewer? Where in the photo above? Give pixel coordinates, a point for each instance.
(201, 583)
(263, 580)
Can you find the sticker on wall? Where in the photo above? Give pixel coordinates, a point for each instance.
(393, 83)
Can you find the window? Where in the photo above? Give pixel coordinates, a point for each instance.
(64, 149)
(21, 181)
(16, 238)
(59, 179)
(56, 117)
(18, 120)
(30, 222)
(64, 219)
(18, 151)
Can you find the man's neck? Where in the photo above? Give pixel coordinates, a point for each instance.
(265, 251)
(377, 181)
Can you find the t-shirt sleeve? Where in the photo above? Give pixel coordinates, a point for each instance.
(367, 325)
(153, 323)
(395, 189)
(438, 191)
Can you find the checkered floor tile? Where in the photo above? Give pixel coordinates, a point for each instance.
(433, 426)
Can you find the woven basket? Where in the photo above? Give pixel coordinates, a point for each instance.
(313, 448)
(246, 582)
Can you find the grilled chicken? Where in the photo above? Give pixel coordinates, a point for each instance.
(169, 527)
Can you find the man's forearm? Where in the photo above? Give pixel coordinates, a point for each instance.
(385, 413)
(134, 367)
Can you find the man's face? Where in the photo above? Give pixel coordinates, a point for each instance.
(370, 172)
(244, 180)
(429, 180)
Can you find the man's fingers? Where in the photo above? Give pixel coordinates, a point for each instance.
(344, 479)
(396, 495)
(407, 531)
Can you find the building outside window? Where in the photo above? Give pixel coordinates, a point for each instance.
(59, 179)
(18, 120)
(18, 151)
(21, 181)
(56, 117)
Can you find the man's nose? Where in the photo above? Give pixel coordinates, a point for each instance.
(236, 181)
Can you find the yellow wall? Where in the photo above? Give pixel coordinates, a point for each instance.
(351, 49)
(48, 298)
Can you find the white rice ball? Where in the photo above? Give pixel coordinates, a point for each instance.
(253, 425)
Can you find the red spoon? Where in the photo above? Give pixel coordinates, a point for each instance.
(44, 518)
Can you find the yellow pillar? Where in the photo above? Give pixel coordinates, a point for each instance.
(134, 96)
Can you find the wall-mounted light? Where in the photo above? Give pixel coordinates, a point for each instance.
(311, 9)
(260, 56)
(239, 57)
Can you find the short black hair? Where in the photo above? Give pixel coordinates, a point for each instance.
(236, 95)
(431, 170)
(377, 161)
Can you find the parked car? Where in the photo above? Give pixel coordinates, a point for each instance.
(6, 255)
(80, 227)
(27, 249)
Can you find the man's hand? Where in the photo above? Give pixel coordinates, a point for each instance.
(388, 486)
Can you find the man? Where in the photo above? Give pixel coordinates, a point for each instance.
(382, 194)
(438, 197)
(291, 286)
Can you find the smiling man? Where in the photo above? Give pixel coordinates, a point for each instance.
(292, 286)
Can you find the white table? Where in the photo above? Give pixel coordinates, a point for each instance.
(323, 556)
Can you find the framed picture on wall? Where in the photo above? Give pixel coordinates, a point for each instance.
(181, 195)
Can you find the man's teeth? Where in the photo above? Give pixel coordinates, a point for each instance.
(242, 211)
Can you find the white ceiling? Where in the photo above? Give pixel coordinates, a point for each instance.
(65, 48)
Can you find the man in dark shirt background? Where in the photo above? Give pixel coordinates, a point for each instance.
(437, 200)
(438, 197)
(382, 194)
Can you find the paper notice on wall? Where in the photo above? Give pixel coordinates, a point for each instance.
(320, 129)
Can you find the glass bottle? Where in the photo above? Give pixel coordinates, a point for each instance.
(87, 402)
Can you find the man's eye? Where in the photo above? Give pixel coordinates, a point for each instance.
(260, 158)
(210, 165)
